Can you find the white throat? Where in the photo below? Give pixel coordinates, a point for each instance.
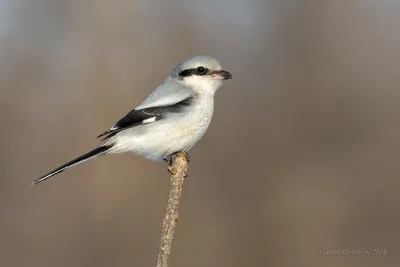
(202, 84)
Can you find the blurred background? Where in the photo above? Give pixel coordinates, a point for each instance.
(302, 155)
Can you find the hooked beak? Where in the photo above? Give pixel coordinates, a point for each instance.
(221, 75)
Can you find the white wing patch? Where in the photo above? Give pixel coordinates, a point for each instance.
(153, 119)
(149, 120)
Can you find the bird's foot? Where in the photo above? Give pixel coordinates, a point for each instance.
(172, 170)
(170, 159)
(187, 156)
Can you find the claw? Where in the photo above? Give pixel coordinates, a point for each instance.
(172, 170)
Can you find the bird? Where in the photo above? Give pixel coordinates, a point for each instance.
(172, 119)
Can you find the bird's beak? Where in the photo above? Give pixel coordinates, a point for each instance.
(221, 75)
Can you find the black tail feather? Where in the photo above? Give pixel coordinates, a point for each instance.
(95, 152)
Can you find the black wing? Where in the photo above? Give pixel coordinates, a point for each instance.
(145, 116)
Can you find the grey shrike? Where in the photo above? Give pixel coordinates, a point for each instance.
(172, 119)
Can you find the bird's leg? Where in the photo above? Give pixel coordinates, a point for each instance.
(168, 160)
(186, 155)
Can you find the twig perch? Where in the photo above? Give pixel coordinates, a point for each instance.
(178, 170)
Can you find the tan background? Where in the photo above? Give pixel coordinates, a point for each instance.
(302, 154)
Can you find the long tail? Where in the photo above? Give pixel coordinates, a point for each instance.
(95, 152)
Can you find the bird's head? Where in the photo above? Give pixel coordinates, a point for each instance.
(201, 73)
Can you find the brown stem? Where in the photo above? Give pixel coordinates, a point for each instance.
(178, 170)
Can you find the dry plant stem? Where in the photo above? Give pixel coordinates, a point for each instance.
(178, 170)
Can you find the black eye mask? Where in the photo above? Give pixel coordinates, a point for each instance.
(197, 71)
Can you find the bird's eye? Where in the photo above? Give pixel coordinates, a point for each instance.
(201, 70)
